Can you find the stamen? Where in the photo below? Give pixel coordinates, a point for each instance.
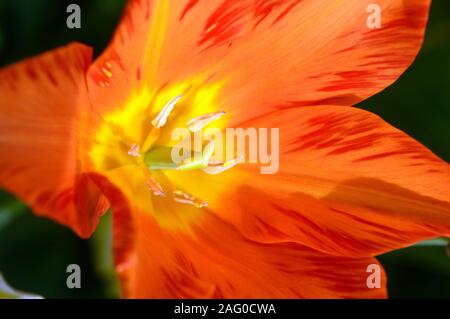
(161, 119)
(183, 198)
(134, 150)
(152, 183)
(155, 187)
(214, 168)
(196, 124)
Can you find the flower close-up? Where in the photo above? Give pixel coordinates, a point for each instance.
(319, 188)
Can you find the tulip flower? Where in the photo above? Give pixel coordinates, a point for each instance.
(79, 136)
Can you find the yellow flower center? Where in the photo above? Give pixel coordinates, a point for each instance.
(134, 145)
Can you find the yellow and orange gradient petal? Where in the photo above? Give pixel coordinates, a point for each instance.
(349, 186)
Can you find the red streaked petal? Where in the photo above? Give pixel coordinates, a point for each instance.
(217, 262)
(348, 184)
(213, 260)
(352, 184)
(42, 140)
(271, 54)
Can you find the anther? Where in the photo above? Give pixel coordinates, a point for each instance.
(183, 198)
(161, 119)
(214, 168)
(134, 150)
(155, 187)
(152, 183)
(198, 123)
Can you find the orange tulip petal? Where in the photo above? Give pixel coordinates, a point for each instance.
(41, 139)
(348, 184)
(271, 54)
(213, 260)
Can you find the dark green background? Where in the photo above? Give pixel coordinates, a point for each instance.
(35, 252)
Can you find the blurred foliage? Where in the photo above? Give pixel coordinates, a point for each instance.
(35, 252)
(418, 272)
(7, 292)
(31, 27)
